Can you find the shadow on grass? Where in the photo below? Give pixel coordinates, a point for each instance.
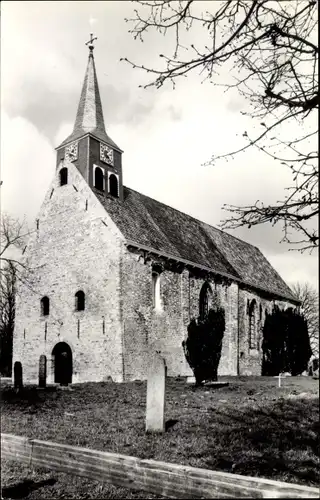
(254, 429)
(23, 489)
(170, 423)
(281, 438)
(31, 394)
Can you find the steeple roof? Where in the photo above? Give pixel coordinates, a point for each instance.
(89, 117)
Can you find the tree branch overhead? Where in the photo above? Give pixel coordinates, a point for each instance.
(271, 48)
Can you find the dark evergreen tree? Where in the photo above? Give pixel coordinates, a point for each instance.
(203, 345)
(286, 344)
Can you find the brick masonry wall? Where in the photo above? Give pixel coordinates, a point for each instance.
(226, 296)
(94, 159)
(147, 330)
(78, 247)
(82, 160)
(250, 360)
(72, 250)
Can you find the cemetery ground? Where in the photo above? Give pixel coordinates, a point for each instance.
(249, 427)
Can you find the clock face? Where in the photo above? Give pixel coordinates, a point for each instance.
(106, 154)
(72, 151)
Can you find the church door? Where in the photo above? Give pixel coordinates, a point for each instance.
(62, 358)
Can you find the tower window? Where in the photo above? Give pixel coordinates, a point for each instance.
(80, 300)
(63, 176)
(156, 296)
(44, 306)
(113, 185)
(99, 178)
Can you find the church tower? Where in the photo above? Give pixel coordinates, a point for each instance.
(89, 147)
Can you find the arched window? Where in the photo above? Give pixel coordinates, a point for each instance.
(98, 178)
(63, 176)
(113, 185)
(45, 306)
(205, 300)
(156, 293)
(80, 300)
(253, 324)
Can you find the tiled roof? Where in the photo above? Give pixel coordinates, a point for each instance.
(152, 224)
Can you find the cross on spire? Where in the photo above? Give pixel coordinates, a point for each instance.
(90, 42)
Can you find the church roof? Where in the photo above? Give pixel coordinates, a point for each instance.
(146, 222)
(89, 117)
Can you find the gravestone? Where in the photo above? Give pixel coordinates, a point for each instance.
(42, 371)
(17, 372)
(156, 395)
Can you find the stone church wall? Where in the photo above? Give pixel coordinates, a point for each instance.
(226, 296)
(72, 250)
(147, 330)
(250, 360)
(76, 246)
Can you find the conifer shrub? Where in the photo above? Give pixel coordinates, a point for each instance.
(202, 348)
(286, 344)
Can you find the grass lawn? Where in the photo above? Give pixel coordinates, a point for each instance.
(250, 427)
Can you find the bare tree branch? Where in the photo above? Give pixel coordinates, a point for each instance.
(272, 54)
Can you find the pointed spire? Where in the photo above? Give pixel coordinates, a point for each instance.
(89, 116)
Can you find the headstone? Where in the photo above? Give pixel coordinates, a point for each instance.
(42, 371)
(17, 372)
(156, 395)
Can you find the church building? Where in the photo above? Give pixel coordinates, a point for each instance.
(116, 276)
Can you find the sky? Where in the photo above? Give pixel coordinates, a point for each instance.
(167, 135)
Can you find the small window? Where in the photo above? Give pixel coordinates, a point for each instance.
(45, 306)
(260, 312)
(98, 178)
(156, 295)
(253, 325)
(113, 185)
(80, 300)
(205, 300)
(63, 176)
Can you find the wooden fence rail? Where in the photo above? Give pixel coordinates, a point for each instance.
(160, 478)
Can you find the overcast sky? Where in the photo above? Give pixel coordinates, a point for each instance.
(166, 134)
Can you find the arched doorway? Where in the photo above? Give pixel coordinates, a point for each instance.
(62, 363)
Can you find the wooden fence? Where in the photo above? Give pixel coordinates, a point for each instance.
(160, 478)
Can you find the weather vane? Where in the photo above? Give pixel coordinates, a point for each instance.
(90, 42)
